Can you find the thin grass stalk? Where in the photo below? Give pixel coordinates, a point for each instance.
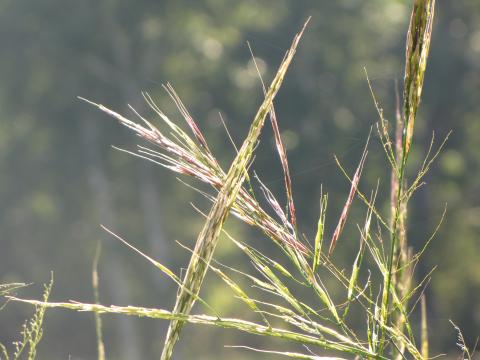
(236, 289)
(226, 323)
(357, 263)
(240, 293)
(96, 297)
(209, 235)
(403, 274)
(159, 266)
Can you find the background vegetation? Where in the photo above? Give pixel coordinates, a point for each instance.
(59, 178)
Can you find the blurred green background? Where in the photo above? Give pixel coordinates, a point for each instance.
(60, 179)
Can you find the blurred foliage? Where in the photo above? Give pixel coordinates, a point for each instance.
(59, 178)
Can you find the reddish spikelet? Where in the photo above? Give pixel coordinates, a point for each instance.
(272, 201)
(286, 171)
(181, 156)
(281, 151)
(348, 203)
(398, 157)
(186, 115)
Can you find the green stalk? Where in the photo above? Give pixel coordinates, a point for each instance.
(226, 323)
(417, 48)
(96, 297)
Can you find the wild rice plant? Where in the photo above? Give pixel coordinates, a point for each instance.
(321, 324)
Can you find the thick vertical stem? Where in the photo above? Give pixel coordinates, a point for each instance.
(208, 238)
(416, 54)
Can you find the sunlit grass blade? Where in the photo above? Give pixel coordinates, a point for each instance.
(280, 287)
(322, 293)
(320, 230)
(157, 264)
(226, 323)
(364, 235)
(289, 354)
(277, 285)
(355, 270)
(208, 237)
(239, 292)
(256, 255)
(236, 289)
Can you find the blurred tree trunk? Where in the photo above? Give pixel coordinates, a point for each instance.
(116, 279)
(127, 73)
(155, 235)
(152, 217)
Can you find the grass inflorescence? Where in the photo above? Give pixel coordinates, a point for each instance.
(319, 324)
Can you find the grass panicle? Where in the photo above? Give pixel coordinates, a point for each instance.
(416, 55)
(386, 292)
